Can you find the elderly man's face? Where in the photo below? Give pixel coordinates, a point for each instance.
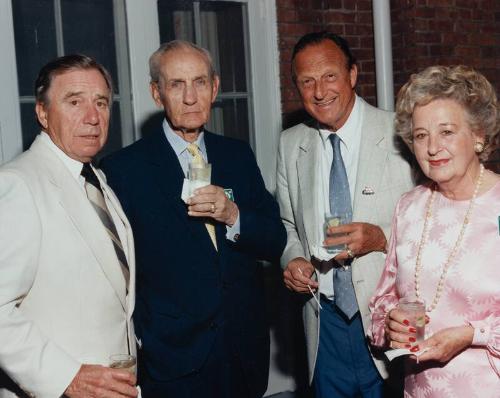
(185, 90)
(76, 115)
(325, 84)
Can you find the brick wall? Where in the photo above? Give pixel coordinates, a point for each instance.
(351, 19)
(424, 32)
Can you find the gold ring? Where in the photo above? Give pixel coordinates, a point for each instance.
(212, 209)
(350, 253)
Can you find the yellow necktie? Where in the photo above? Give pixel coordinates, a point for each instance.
(195, 152)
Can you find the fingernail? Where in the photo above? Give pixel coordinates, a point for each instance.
(406, 322)
(407, 345)
(414, 349)
(412, 339)
(412, 330)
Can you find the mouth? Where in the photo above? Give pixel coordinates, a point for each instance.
(438, 163)
(325, 103)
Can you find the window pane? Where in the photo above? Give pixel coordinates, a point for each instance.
(230, 118)
(88, 28)
(222, 33)
(29, 124)
(176, 20)
(35, 39)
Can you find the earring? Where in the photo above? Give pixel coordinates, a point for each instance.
(478, 147)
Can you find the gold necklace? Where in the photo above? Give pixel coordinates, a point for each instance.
(425, 236)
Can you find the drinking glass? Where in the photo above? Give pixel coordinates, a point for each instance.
(123, 361)
(334, 220)
(199, 175)
(414, 310)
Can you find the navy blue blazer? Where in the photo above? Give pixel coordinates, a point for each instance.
(185, 288)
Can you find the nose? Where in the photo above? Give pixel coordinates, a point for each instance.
(434, 145)
(319, 92)
(190, 95)
(92, 115)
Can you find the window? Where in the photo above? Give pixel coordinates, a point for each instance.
(122, 34)
(65, 30)
(220, 27)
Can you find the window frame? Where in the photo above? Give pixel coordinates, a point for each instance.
(142, 31)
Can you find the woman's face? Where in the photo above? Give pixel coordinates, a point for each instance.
(443, 143)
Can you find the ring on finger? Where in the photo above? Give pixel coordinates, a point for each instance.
(212, 208)
(350, 253)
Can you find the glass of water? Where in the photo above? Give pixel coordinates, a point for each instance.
(414, 310)
(123, 361)
(199, 175)
(334, 220)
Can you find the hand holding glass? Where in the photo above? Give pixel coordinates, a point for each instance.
(414, 310)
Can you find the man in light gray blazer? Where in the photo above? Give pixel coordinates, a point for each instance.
(66, 249)
(372, 176)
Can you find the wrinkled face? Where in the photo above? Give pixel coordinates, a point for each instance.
(325, 84)
(76, 115)
(444, 143)
(185, 90)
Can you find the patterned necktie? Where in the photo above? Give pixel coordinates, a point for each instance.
(95, 196)
(195, 152)
(340, 203)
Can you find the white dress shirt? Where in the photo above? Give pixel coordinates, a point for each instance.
(350, 139)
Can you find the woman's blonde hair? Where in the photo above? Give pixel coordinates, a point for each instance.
(460, 83)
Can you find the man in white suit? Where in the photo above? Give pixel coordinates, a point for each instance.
(67, 267)
(343, 160)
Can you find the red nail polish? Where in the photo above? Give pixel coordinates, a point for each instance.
(414, 349)
(412, 339)
(412, 330)
(406, 322)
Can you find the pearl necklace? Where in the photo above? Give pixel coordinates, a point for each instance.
(425, 236)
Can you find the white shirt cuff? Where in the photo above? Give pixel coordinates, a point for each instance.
(233, 233)
(481, 333)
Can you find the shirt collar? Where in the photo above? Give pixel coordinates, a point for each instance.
(349, 131)
(74, 166)
(179, 145)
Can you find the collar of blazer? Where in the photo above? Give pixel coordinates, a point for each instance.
(83, 216)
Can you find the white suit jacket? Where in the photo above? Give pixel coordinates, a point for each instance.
(380, 168)
(63, 299)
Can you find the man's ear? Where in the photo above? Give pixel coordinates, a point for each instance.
(215, 88)
(353, 74)
(155, 93)
(41, 115)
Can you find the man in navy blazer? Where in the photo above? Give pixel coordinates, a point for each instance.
(200, 311)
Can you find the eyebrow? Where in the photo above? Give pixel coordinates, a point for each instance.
(72, 94)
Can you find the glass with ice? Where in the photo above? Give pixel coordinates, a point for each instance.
(199, 175)
(414, 310)
(334, 220)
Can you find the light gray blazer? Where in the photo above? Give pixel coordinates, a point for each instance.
(63, 298)
(381, 167)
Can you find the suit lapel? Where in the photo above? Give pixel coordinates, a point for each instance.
(170, 178)
(85, 219)
(307, 161)
(372, 158)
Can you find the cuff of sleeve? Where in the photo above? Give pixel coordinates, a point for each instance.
(233, 232)
(481, 333)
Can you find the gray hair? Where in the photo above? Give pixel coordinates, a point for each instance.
(460, 83)
(155, 59)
